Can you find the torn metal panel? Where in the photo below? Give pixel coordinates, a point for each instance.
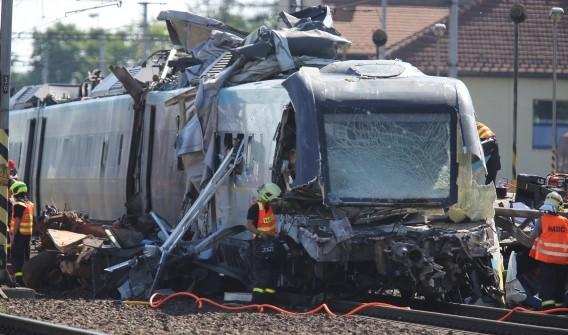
(188, 30)
(190, 138)
(111, 85)
(321, 14)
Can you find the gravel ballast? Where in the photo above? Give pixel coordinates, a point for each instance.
(181, 317)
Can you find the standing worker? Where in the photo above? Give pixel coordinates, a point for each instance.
(261, 221)
(491, 150)
(550, 250)
(20, 228)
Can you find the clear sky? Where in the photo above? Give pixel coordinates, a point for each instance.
(40, 14)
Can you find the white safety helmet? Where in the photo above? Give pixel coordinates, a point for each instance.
(268, 192)
(554, 200)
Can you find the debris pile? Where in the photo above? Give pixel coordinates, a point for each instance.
(72, 251)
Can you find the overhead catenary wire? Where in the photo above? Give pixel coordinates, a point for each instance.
(58, 36)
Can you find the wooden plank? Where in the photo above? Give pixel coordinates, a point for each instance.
(63, 239)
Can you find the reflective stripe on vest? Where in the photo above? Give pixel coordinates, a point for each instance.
(27, 219)
(552, 244)
(266, 220)
(484, 131)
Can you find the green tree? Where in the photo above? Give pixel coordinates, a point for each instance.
(231, 12)
(66, 53)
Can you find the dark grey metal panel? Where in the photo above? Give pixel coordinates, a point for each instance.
(167, 180)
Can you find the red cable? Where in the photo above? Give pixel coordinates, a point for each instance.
(261, 307)
(528, 311)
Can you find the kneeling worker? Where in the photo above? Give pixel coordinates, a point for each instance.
(20, 228)
(261, 221)
(550, 249)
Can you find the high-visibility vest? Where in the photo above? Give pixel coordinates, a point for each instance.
(484, 131)
(27, 220)
(266, 220)
(552, 244)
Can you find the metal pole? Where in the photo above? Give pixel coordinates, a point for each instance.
(438, 57)
(453, 40)
(556, 14)
(515, 79)
(45, 61)
(517, 14)
(144, 30)
(5, 53)
(439, 29)
(102, 47)
(383, 49)
(554, 124)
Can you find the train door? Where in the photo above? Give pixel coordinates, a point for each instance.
(29, 141)
(32, 155)
(37, 162)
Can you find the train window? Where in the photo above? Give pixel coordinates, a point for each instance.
(104, 154)
(65, 163)
(248, 157)
(228, 141)
(90, 149)
(120, 148)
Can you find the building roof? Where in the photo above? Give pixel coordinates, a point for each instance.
(357, 23)
(485, 44)
(485, 41)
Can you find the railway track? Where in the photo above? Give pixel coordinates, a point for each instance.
(16, 325)
(463, 317)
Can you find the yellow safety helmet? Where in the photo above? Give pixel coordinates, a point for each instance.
(554, 199)
(19, 187)
(268, 192)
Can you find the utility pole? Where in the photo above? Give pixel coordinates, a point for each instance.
(45, 60)
(102, 43)
(556, 14)
(518, 15)
(439, 29)
(453, 40)
(382, 49)
(5, 53)
(144, 25)
(144, 29)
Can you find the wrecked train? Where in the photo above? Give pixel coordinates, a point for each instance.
(375, 158)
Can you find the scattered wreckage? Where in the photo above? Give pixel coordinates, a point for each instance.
(374, 157)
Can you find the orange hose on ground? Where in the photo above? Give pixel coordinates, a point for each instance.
(528, 311)
(260, 308)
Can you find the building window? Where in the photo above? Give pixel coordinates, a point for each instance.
(542, 122)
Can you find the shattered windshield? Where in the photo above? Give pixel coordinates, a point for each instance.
(388, 156)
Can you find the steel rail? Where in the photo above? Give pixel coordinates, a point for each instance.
(482, 312)
(459, 322)
(17, 325)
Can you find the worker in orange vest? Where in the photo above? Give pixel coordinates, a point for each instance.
(550, 250)
(261, 221)
(491, 150)
(20, 228)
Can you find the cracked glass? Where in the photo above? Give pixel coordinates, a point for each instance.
(374, 156)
